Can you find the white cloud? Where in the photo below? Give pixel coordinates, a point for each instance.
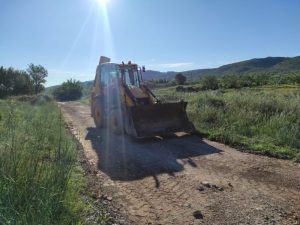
(177, 65)
(172, 66)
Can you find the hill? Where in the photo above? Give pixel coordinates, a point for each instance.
(268, 64)
(259, 65)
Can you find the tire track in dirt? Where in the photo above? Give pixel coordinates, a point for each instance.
(157, 181)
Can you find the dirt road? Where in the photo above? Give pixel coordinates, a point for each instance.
(186, 179)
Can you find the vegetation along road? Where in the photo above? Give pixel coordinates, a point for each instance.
(185, 179)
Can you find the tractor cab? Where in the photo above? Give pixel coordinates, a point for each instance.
(130, 75)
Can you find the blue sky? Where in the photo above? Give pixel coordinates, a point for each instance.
(67, 37)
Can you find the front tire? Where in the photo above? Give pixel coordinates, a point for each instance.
(97, 114)
(116, 122)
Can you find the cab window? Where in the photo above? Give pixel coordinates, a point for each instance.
(130, 77)
(109, 75)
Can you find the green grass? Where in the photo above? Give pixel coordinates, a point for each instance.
(264, 120)
(41, 181)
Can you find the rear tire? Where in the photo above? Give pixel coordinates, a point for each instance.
(116, 122)
(92, 104)
(97, 115)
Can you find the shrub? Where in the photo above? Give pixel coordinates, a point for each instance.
(68, 91)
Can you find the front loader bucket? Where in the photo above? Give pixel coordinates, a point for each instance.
(159, 119)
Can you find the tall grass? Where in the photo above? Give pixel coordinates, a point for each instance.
(36, 160)
(265, 121)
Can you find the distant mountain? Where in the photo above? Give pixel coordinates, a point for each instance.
(151, 74)
(269, 64)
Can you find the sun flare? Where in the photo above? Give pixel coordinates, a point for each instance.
(103, 1)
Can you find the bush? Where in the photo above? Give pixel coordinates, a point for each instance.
(68, 91)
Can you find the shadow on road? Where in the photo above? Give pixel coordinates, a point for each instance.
(123, 158)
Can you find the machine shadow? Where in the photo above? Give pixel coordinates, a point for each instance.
(123, 158)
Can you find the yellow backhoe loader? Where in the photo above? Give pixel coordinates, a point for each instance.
(121, 101)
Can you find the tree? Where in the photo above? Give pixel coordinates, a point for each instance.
(68, 91)
(14, 82)
(38, 75)
(180, 79)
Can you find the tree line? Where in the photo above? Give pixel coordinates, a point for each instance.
(236, 81)
(249, 80)
(22, 82)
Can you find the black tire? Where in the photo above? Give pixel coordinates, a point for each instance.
(98, 115)
(116, 122)
(92, 104)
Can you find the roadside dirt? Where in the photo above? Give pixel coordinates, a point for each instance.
(186, 179)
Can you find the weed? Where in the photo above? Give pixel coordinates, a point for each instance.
(40, 179)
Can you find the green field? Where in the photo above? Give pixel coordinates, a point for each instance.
(41, 181)
(264, 120)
